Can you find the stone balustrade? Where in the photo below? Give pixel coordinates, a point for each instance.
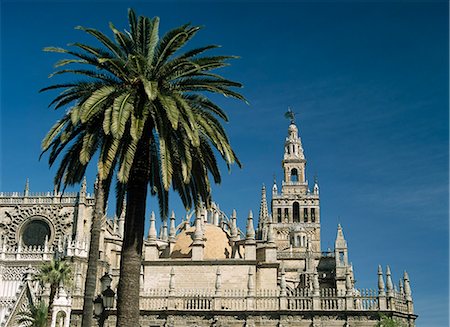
(15, 198)
(263, 300)
(41, 253)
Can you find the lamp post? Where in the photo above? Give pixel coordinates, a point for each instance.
(104, 301)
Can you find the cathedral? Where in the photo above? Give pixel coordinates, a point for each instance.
(201, 269)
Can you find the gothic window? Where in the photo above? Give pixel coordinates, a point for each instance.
(313, 215)
(279, 215)
(298, 241)
(294, 175)
(286, 214)
(305, 215)
(296, 212)
(35, 232)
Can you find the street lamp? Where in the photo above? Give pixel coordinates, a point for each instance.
(104, 301)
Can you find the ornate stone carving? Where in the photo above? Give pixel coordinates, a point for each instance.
(59, 221)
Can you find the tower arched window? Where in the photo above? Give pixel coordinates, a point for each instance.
(294, 175)
(296, 212)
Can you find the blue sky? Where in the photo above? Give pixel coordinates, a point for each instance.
(369, 81)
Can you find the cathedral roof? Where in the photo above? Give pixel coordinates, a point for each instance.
(216, 242)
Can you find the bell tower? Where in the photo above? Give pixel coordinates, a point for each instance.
(296, 210)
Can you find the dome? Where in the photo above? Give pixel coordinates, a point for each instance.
(215, 240)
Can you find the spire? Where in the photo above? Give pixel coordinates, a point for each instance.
(27, 187)
(152, 230)
(263, 211)
(340, 242)
(250, 234)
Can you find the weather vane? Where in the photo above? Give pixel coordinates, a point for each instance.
(289, 114)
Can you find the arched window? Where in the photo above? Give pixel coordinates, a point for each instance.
(296, 212)
(294, 175)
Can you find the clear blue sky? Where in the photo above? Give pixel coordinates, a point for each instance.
(370, 84)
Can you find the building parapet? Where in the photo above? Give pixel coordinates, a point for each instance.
(15, 198)
(263, 300)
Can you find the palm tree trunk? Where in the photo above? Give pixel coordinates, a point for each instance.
(94, 245)
(131, 256)
(51, 299)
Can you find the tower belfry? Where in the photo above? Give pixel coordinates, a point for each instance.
(296, 210)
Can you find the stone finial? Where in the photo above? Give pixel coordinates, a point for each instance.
(46, 244)
(270, 236)
(401, 288)
(283, 280)
(380, 281)
(27, 187)
(215, 215)
(250, 234)
(61, 291)
(389, 284)
(172, 281)
(218, 284)
(83, 188)
(316, 286)
(274, 188)
(198, 234)
(152, 230)
(348, 282)
(172, 230)
(316, 186)
(250, 282)
(164, 236)
(234, 231)
(407, 286)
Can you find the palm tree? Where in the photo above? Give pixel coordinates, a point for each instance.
(34, 316)
(144, 107)
(93, 256)
(54, 273)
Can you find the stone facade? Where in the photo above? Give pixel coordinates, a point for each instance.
(202, 270)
